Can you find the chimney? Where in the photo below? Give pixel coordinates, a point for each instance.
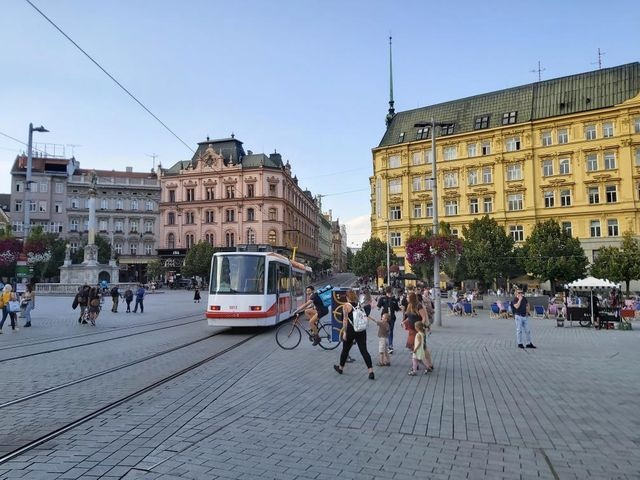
(129, 169)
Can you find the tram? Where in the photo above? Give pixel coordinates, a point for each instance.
(249, 289)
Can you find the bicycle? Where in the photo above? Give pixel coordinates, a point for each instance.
(289, 335)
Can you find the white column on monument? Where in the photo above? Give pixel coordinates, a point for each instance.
(92, 217)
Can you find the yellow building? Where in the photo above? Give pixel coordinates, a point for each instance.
(566, 149)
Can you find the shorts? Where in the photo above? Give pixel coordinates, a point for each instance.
(383, 345)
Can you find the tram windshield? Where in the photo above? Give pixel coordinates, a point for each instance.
(237, 274)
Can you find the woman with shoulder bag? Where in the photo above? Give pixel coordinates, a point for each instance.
(416, 313)
(8, 301)
(28, 303)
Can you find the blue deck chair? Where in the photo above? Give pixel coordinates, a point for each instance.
(468, 309)
(451, 310)
(539, 311)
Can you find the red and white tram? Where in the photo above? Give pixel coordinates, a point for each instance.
(249, 289)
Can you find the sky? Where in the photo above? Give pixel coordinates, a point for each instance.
(308, 79)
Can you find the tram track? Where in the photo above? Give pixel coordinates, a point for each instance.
(69, 425)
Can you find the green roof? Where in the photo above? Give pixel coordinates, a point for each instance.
(550, 98)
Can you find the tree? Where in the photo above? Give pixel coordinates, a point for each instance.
(51, 269)
(198, 260)
(37, 248)
(372, 255)
(486, 251)
(154, 269)
(104, 251)
(552, 254)
(619, 264)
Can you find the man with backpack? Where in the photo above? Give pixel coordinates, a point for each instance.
(82, 300)
(115, 298)
(389, 305)
(314, 309)
(128, 298)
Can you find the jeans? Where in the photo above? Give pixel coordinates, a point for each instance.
(522, 329)
(13, 316)
(392, 322)
(27, 312)
(139, 301)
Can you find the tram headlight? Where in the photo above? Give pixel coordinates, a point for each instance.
(256, 308)
(214, 307)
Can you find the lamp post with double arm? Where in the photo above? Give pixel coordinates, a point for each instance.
(27, 186)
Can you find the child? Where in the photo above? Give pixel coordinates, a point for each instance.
(419, 346)
(383, 340)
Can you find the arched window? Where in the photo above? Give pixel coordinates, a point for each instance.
(171, 241)
(251, 237)
(230, 239)
(273, 238)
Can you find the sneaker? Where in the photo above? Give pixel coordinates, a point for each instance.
(337, 369)
(520, 345)
(531, 345)
(28, 324)
(316, 340)
(390, 351)
(372, 376)
(412, 373)
(350, 360)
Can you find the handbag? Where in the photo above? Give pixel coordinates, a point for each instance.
(14, 306)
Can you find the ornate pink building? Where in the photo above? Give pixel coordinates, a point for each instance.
(228, 197)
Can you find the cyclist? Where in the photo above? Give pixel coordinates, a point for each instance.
(314, 309)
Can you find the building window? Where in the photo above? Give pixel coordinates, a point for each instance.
(33, 206)
(609, 160)
(171, 218)
(401, 137)
(133, 248)
(272, 190)
(134, 205)
(189, 218)
(509, 118)
(33, 187)
(416, 184)
(487, 204)
(119, 225)
(210, 239)
(472, 150)
(148, 226)
(148, 248)
(486, 147)
(59, 187)
(250, 190)
(191, 194)
(273, 215)
(514, 171)
(451, 179)
(517, 233)
(474, 206)
(422, 133)
(612, 228)
(395, 213)
(451, 207)
(58, 208)
(447, 129)
(565, 198)
(42, 206)
(566, 226)
(395, 186)
(481, 122)
(565, 166)
(428, 156)
(417, 210)
(75, 203)
(251, 215)
(18, 186)
(272, 237)
(636, 125)
(547, 168)
(230, 191)
(487, 175)
(594, 228)
(394, 161)
(102, 225)
(119, 204)
(230, 215)
(590, 132)
(210, 193)
(210, 216)
(172, 196)
(230, 239)
(592, 162)
(171, 241)
(104, 204)
(118, 248)
(607, 129)
(18, 206)
(549, 199)
(450, 153)
(563, 136)
(395, 239)
(251, 237)
(428, 183)
(611, 193)
(473, 176)
(637, 156)
(594, 195)
(73, 225)
(429, 209)
(514, 202)
(546, 139)
(512, 144)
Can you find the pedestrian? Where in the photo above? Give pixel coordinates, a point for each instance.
(128, 297)
(416, 312)
(82, 300)
(28, 302)
(389, 304)
(139, 299)
(115, 298)
(8, 296)
(196, 295)
(520, 308)
(383, 340)
(419, 354)
(348, 335)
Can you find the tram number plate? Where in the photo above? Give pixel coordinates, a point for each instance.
(233, 307)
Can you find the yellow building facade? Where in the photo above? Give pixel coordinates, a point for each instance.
(566, 149)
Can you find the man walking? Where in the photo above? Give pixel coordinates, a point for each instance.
(115, 298)
(520, 309)
(139, 299)
(389, 305)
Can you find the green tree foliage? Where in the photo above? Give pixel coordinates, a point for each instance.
(552, 254)
(198, 260)
(154, 269)
(619, 264)
(372, 255)
(50, 271)
(349, 260)
(104, 251)
(487, 251)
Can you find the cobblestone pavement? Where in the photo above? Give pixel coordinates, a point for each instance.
(489, 410)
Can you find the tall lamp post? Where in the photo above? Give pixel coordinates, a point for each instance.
(388, 257)
(436, 259)
(27, 187)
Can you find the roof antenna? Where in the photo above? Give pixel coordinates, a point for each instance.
(539, 70)
(392, 110)
(599, 62)
(153, 155)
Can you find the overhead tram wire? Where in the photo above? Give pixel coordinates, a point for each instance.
(111, 76)
(20, 141)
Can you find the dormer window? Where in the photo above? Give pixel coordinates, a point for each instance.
(509, 118)
(481, 122)
(447, 129)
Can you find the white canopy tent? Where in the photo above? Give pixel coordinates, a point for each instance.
(589, 284)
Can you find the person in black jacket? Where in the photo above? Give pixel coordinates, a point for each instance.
(389, 305)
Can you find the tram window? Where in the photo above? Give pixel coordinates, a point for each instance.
(283, 273)
(238, 274)
(272, 279)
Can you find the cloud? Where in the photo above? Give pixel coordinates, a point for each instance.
(358, 230)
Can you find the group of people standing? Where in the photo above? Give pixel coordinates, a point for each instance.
(89, 299)
(11, 305)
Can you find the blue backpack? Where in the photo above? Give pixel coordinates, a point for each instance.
(325, 294)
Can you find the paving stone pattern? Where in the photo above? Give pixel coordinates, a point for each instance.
(489, 411)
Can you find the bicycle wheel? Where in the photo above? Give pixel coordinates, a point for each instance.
(324, 330)
(288, 336)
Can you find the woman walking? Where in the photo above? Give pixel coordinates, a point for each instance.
(8, 296)
(28, 303)
(349, 335)
(416, 313)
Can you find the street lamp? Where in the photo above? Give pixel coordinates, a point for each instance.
(436, 259)
(388, 256)
(27, 188)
